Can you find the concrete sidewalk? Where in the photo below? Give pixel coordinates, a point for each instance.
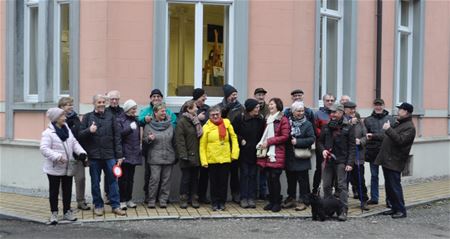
(37, 208)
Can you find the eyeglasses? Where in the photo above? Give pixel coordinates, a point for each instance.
(215, 115)
(329, 100)
(114, 99)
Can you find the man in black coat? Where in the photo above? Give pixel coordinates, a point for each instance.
(249, 127)
(394, 154)
(100, 137)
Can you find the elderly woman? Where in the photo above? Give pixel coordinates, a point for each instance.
(159, 134)
(187, 137)
(297, 165)
(58, 146)
(275, 136)
(218, 147)
(131, 147)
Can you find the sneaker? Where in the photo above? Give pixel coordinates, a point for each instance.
(251, 203)
(195, 203)
(119, 212)
(342, 217)
(244, 203)
(123, 205)
(300, 207)
(276, 207)
(289, 203)
(151, 204)
(131, 204)
(69, 216)
(98, 211)
(162, 204)
(83, 206)
(54, 218)
(268, 207)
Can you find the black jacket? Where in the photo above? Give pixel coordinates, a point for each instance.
(341, 141)
(374, 124)
(74, 123)
(251, 130)
(105, 143)
(304, 141)
(396, 145)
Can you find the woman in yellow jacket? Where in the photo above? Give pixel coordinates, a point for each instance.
(218, 147)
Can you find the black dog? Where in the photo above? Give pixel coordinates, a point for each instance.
(322, 209)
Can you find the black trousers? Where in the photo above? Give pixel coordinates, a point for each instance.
(234, 177)
(273, 182)
(356, 180)
(203, 182)
(54, 182)
(218, 179)
(318, 173)
(189, 181)
(300, 177)
(147, 173)
(126, 182)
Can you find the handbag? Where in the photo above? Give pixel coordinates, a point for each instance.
(302, 153)
(261, 153)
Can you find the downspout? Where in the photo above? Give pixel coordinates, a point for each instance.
(379, 41)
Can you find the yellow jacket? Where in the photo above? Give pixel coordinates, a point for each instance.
(213, 150)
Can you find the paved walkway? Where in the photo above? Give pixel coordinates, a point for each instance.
(37, 208)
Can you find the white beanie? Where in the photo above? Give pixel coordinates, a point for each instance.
(54, 113)
(128, 105)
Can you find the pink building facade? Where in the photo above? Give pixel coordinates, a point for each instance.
(49, 49)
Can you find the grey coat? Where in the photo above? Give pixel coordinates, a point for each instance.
(161, 151)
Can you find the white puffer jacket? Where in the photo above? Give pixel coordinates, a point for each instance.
(52, 148)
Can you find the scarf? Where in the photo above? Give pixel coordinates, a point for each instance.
(222, 130)
(160, 125)
(269, 132)
(63, 132)
(196, 122)
(296, 124)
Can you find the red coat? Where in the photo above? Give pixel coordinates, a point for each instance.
(282, 135)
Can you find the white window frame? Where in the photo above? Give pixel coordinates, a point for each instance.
(404, 30)
(335, 15)
(57, 49)
(198, 55)
(26, 66)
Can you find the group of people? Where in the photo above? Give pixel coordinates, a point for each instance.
(226, 145)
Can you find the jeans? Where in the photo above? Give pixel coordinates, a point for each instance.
(54, 182)
(126, 182)
(189, 181)
(329, 172)
(95, 169)
(248, 180)
(234, 177)
(300, 177)
(218, 179)
(262, 183)
(273, 180)
(374, 193)
(394, 190)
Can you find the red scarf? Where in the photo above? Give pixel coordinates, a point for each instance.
(222, 129)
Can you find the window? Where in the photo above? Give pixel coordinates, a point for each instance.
(198, 47)
(31, 28)
(61, 49)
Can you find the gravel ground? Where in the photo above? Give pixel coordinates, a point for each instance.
(425, 221)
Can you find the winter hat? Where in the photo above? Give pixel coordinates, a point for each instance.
(198, 92)
(260, 90)
(250, 104)
(156, 92)
(128, 105)
(228, 90)
(54, 113)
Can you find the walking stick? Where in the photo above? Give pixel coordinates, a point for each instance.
(359, 180)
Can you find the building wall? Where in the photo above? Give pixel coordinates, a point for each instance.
(2, 67)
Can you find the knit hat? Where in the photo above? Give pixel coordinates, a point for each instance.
(197, 93)
(156, 92)
(128, 105)
(54, 113)
(250, 104)
(228, 90)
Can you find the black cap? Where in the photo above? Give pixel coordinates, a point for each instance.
(260, 90)
(406, 106)
(297, 91)
(250, 104)
(378, 101)
(349, 104)
(228, 90)
(197, 93)
(156, 92)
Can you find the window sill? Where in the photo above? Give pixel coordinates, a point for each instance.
(30, 106)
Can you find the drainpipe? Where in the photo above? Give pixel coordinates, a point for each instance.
(379, 39)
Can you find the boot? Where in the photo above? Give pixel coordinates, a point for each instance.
(184, 201)
(195, 203)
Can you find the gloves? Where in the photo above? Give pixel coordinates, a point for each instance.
(82, 157)
(133, 125)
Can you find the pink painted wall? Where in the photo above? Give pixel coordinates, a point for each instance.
(434, 127)
(281, 48)
(21, 119)
(388, 57)
(2, 125)
(116, 48)
(436, 54)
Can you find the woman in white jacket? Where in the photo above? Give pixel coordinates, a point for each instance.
(57, 146)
